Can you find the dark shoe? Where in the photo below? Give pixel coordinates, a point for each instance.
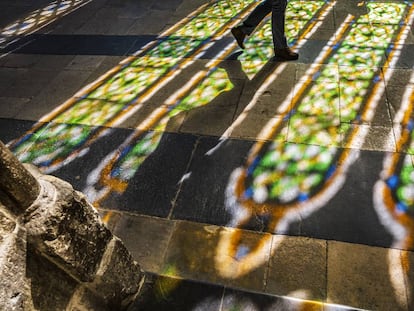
(239, 35)
(285, 54)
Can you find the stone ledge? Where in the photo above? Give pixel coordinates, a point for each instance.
(304, 268)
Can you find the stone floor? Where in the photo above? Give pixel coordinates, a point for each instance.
(235, 180)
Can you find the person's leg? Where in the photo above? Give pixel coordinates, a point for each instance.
(278, 9)
(255, 17)
(251, 22)
(282, 51)
(278, 23)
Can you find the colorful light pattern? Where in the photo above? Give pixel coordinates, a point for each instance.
(259, 46)
(201, 91)
(142, 144)
(284, 181)
(287, 173)
(38, 19)
(123, 90)
(394, 192)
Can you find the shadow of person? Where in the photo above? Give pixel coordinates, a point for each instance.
(214, 118)
(352, 7)
(215, 158)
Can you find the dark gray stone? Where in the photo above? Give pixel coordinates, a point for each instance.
(118, 279)
(67, 229)
(14, 288)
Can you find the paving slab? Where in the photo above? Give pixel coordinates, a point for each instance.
(361, 276)
(297, 268)
(218, 139)
(192, 254)
(407, 261)
(11, 106)
(63, 85)
(146, 238)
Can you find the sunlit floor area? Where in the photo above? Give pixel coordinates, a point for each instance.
(237, 181)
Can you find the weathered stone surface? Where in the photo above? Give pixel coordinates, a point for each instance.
(85, 300)
(8, 203)
(67, 229)
(146, 238)
(7, 224)
(51, 287)
(73, 261)
(297, 268)
(16, 181)
(119, 276)
(365, 277)
(14, 288)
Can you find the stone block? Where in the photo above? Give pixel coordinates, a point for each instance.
(408, 264)
(232, 257)
(146, 238)
(119, 276)
(297, 268)
(51, 287)
(365, 277)
(67, 229)
(14, 288)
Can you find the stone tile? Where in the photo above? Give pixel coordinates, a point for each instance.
(173, 294)
(328, 73)
(367, 137)
(348, 215)
(216, 116)
(148, 117)
(61, 88)
(334, 307)
(277, 90)
(310, 51)
(85, 62)
(408, 263)
(152, 185)
(52, 62)
(269, 102)
(326, 32)
(359, 276)
(343, 8)
(397, 96)
(329, 23)
(203, 196)
(11, 128)
(400, 132)
(329, 130)
(71, 23)
(297, 268)
(378, 115)
(257, 127)
(8, 77)
(19, 60)
(220, 255)
(399, 76)
(237, 300)
(207, 120)
(98, 24)
(146, 238)
(154, 21)
(10, 106)
(107, 64)
(30, 83)
(405, 60)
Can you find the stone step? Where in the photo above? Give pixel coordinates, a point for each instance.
(171, 293)
(325, 271)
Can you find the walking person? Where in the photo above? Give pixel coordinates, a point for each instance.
(278, 8)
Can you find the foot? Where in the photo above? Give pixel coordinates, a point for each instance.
(239, 35)
(285, 54)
